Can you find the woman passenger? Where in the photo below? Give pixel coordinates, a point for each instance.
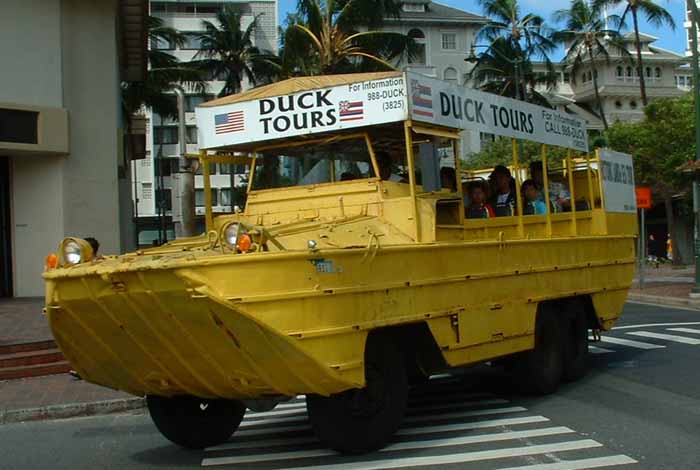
(533, 204)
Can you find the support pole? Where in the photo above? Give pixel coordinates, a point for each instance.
(183, 187)
(695, 293)
(642, 248)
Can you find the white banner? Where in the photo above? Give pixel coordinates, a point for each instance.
(618, 182)
(443, 103)
(314, 111)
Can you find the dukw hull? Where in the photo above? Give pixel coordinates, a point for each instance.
(262, 324)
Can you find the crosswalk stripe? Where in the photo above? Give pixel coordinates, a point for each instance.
(685, 330)
(582, 464)
(409, 445)
(667, 337)
(598, 350)
(630, 343)
(459, 457)
(484, 424)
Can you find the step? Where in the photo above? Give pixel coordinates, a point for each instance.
(34, 371)
(31, 358)
(25, 347)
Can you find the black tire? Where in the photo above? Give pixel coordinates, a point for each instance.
(193, 422)
(363, 420)
(540, 370)
(576, 347)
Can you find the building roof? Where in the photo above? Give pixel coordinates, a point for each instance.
(298, 84)
(437, 12)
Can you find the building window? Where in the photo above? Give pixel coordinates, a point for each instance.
(160, 44)
(192, 101)
(620, 72)
(618, 104)
(633, 104)
(420, 53)
(147, 191)
(657, 72)
(212, 169)
(567, 77)
(689, 81)
(648, 72)
(165, 135)
(449, 41)
(629, 71)
(226, 197)
(450, 75)
(165, 166)
(164, 199)
(414, 7)
(199, 197)
(583, 77)
(191, 133)
(192, 40)
(229, 169)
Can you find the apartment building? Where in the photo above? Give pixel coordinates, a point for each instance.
(151, 175)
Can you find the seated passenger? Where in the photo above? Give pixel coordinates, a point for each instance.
(504, 200)
(385, 168)
(448, 178)
(347, 176)
(533, 204)
(559, 196)
(478, 208)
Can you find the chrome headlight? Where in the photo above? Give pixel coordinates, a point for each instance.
(72, 253)
(231, 233)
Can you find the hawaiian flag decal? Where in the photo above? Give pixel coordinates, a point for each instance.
(229, 122)
(422, 98)
(351, 110)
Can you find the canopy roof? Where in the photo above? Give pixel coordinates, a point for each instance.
(298, 84)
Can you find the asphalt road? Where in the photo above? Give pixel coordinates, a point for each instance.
(638, 408)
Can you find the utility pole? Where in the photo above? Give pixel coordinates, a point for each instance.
(695, 293)
(183, 180)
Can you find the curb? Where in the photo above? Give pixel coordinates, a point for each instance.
(693, 304)
(72, 410)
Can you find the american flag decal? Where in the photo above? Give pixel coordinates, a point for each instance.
(229, 122)
(422, 98)
(351, 110)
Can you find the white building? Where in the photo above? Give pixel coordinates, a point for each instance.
(162, 133)
(62, 169)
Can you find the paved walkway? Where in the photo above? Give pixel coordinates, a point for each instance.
(21, 321)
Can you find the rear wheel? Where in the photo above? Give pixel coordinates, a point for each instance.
(576, 347)
(363, 420)
(540, 370)
(194, 422)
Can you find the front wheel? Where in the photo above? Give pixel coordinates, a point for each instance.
(194, 422)
(362, 420)
(540, 370)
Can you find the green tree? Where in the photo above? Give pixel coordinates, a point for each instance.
(586, 35)
(521, 37)
(655, 14)
(323, 38)
(227, 52)
(660, 144)
(500, 152)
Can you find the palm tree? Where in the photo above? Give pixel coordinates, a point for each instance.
(526, 35)
(657, 15)
(227, 52)
(322, 38)
(494, 72)
(586, 35)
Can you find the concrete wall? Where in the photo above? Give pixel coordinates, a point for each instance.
(63, 54)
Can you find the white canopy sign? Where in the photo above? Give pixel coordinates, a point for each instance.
(618, 182)
(382, 101)
(439, 102)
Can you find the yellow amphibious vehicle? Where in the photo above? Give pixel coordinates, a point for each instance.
(352, 270)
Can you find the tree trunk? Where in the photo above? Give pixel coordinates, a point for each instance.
(595, 87)
(671, 228)
(640, 66)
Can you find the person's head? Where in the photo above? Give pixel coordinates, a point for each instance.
(536, 173)
(384, 162)
(347, 176)
(477, 192)
(94, 244)
(502, 179)
(448, 178)
(529, 190)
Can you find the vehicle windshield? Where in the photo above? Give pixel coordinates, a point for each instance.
(314, 164)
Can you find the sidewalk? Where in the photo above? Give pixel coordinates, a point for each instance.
(666, 285)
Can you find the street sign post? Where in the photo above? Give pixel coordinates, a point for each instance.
(643, 203)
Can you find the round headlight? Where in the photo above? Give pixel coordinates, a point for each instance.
(231, 234)
(72, 253)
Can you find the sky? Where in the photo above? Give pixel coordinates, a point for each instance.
(668, 38)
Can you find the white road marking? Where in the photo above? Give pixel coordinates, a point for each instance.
(630, 343)
(277, 430)
(650, 325)
(409, 445)
(674, 338)
(465, 414)
(292, 411)
(459, 457)
(485, 424)
(598, 350)
(578, 464)
(685, 330)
